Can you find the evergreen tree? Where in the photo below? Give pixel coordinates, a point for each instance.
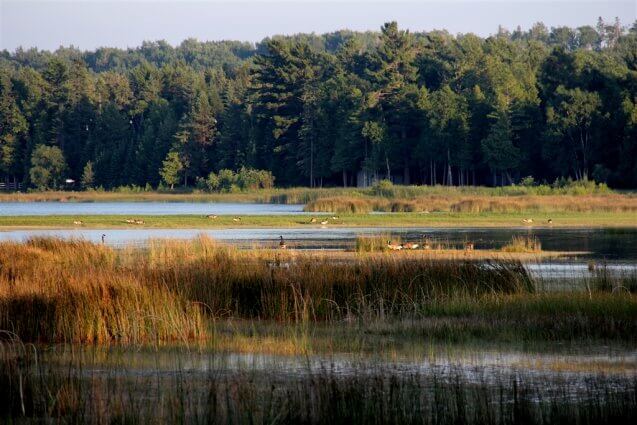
(172, 169)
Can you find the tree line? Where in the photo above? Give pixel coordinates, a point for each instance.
(331, 109)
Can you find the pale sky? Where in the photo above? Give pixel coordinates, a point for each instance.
(87, 24)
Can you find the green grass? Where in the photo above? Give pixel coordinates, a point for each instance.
(302, 195)
(442, 219)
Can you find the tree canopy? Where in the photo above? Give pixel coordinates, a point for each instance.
(313, 110)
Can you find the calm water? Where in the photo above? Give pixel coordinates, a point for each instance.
(575, 366)
(145, 208)
(610, 244)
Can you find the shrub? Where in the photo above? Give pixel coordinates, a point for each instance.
(384, 188)
(230, 182)
(527, 181)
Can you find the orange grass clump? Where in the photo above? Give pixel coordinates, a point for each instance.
(75, 291)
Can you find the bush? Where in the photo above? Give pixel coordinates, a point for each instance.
(527, 181)
(246, 179)
(384, 188)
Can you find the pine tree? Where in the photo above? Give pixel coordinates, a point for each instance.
(172, 168)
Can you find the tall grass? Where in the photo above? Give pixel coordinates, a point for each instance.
(523, 244)
(54, 290)
(75, 291)
(373, 243)
(476, 204)
(33, 391)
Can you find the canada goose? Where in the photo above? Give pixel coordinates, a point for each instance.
(411, 245)
(139, 221)
(549, 221)
(468, 246)
(103, 237)
(236, 219)
(78, 222)
(213, 216)
(282, 244)
(324, 222)
(394, 247)
(527, 220)
(335, 217)
(313, 220)
(130, 221)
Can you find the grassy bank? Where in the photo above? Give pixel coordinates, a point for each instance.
(567, 219)
(303, 195)
(57, 291)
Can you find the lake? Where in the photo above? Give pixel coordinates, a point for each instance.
(602, 244)
(146, 208)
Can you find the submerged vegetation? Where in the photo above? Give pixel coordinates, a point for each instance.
(32, 390)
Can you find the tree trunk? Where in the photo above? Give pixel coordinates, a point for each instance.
(449, 175)
(435, 177)
(406, 176)
(344, 178)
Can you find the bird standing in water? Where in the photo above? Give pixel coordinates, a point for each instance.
(103, 237)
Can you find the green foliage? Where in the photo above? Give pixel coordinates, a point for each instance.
(172, 169)
(325, 110)
(47, 167)
(246, 179)
(88, 176)
(527, 181)
(384, 188)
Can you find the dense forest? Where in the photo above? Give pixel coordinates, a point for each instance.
(343, 108)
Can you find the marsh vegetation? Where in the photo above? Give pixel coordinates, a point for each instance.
(174, 299)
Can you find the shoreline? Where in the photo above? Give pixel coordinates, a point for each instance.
(398, 220)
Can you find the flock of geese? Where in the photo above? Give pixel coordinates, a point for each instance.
(530, 221)
(392, 246)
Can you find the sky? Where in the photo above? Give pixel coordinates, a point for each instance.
(88, 24)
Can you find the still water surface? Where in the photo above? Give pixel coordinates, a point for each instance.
(145, 208)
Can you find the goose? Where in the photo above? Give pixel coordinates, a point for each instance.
(103, 237)
(394, 247)
(411, 245)
(549, 221)
(468, 246)
(236, 219)
(78, 223)
(130, 221)
(139, 221)
(213, 216)
(426, 242)
(313, 220)
(282, 244)
(527, 220)
(324, 222)
(334, 217)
